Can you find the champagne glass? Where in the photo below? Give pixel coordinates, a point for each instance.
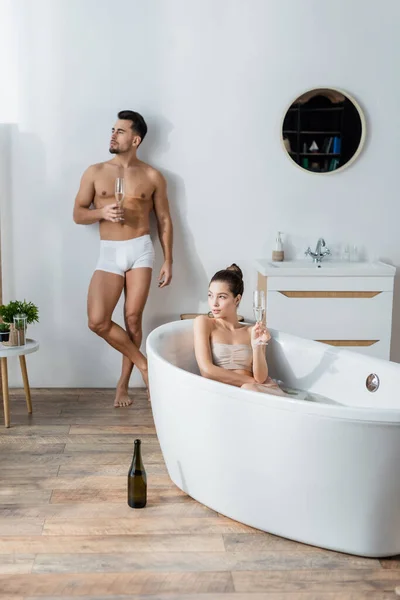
(120, 192)
(259, 305)
(259, 309)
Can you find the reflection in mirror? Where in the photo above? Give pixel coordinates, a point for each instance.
(323, 130)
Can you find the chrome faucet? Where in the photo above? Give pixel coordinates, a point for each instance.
(319, 254)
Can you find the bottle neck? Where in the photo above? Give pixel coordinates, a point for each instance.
(137, 457)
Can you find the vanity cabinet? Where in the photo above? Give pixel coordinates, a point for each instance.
(351, 311)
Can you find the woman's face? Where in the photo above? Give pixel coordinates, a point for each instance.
(221, 300)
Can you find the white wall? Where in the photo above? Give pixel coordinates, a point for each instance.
(8, 62)
(213, 80)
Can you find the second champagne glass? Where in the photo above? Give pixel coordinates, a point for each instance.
(119, 191)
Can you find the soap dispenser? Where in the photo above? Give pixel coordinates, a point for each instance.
(278, 254)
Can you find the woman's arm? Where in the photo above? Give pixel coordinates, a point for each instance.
(202, 332)
(259, 337)
(260, 365)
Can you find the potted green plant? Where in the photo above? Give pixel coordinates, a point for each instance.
(4, 332)
(18, 309)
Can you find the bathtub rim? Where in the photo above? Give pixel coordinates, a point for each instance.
(377, 416)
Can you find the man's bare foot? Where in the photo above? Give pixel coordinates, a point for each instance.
(122, 398)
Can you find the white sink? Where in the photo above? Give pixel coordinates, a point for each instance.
(327, 267)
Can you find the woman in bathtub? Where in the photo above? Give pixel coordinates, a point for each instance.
(226, 350)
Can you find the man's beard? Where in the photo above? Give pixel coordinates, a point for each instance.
(113, 150)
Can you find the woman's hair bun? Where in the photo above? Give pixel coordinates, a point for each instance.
(236, 270)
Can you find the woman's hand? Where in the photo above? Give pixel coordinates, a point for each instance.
(259, 335)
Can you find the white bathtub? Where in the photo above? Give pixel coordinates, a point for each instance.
(322, 474)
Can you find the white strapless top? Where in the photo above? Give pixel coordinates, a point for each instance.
(232, 356)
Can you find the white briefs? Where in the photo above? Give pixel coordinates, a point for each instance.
(121, 256)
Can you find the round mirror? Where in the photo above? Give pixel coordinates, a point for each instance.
(323, 130)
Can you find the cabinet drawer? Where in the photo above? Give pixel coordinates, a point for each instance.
(333, 318)
(384, 284)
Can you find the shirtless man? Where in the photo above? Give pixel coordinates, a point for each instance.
(126, 250)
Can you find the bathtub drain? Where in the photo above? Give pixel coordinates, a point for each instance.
(372, 382)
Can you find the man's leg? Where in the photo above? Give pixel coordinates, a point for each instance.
(104, 292)
(137, 285)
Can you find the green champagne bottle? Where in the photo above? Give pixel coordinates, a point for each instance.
(137, 480)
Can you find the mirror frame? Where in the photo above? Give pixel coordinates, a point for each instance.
(363, 131)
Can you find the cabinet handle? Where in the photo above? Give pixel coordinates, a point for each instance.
(349, 342)
(323, 294)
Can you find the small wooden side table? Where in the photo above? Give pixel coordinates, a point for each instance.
(7, 352)
(194, 315)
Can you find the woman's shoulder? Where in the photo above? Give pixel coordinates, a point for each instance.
(202, 319)
(203, 323)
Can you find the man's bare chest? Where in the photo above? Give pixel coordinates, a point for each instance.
(138, 189)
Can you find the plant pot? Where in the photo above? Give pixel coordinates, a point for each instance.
(4, 336)
(16, 337)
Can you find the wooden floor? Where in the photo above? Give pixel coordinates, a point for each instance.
(66, 531)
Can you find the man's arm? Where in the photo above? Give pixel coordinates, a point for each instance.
(83, 214)
(164, 225)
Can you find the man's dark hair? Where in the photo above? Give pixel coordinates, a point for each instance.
(138, 123)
